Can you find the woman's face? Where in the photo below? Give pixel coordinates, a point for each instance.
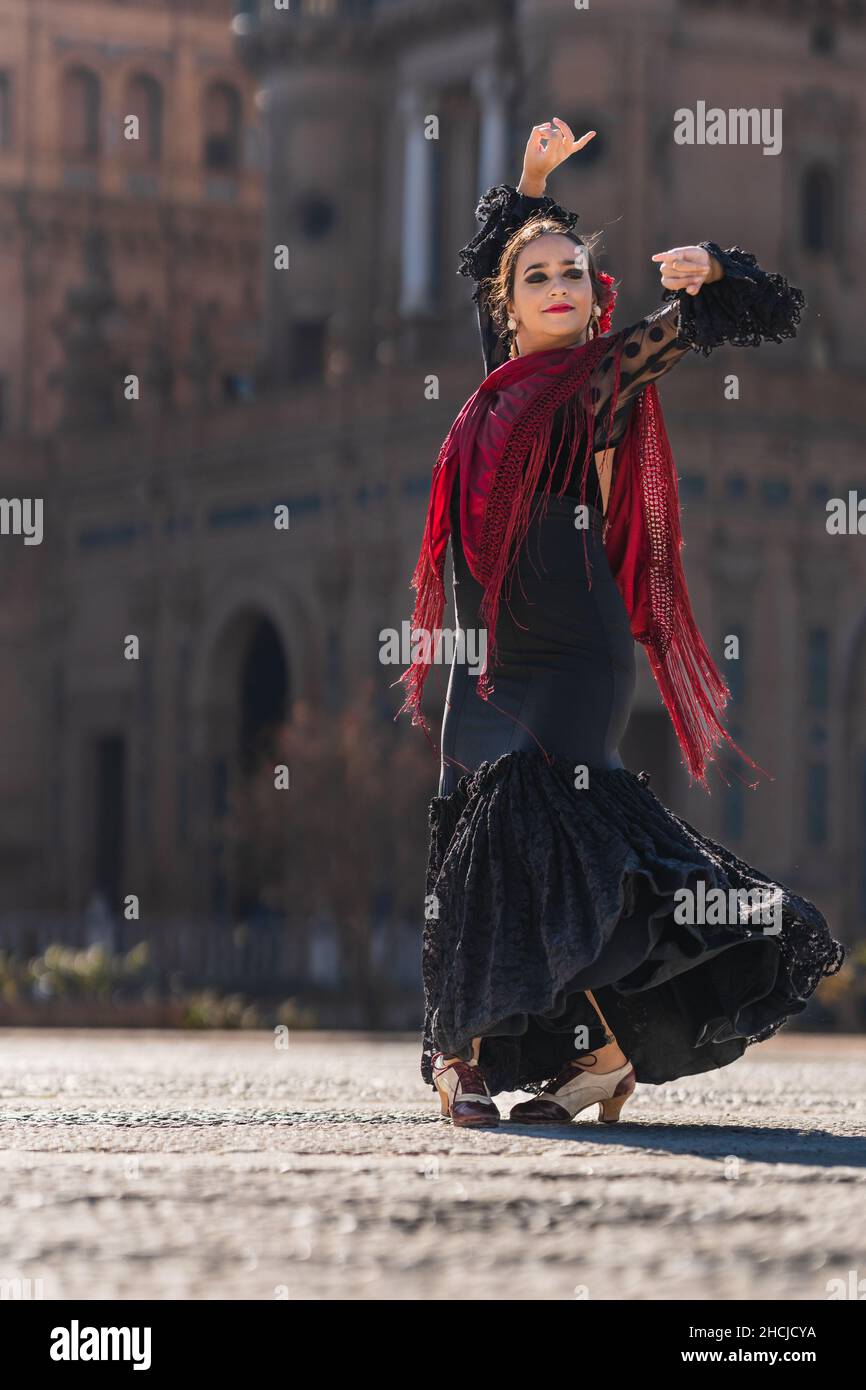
(552, 296)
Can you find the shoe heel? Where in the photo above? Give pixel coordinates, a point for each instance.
(443, 1099)
(610, 1109)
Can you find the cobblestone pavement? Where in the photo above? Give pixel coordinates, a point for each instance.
(220, 1165)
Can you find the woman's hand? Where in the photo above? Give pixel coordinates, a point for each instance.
(548, 146)
(687, 268)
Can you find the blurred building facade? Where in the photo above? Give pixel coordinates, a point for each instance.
(381, 122)
(131, 196)
(131, 191)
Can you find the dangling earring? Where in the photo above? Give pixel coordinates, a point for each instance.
(511, 325)
(594, 328)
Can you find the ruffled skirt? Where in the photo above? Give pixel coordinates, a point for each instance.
(538, 890)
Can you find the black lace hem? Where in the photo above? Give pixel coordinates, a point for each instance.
(537, 891)
(746, 307)
(501, 211)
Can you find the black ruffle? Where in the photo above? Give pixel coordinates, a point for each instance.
(538, 891)
(745, 308)
(501, 211)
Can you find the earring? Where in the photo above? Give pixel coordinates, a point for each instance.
(594, 326)
(511, 325)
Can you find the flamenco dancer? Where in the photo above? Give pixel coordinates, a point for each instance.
(554, 960)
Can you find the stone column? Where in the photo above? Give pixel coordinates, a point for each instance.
(492, 88)
(415, 289)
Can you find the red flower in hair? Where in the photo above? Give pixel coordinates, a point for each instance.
(604, 321)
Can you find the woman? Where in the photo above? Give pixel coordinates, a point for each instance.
(557, 956)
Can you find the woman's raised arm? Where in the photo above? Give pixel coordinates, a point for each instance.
(503, 209)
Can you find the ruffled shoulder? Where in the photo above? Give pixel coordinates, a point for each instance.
(746, 307)
(500, 211)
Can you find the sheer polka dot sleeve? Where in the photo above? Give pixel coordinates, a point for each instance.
(649, 349)
(745, 307)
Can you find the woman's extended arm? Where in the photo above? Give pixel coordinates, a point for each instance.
(745, 306)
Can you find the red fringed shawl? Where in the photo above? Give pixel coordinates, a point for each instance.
(498, 446)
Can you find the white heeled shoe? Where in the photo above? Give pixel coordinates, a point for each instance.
(575, 1087)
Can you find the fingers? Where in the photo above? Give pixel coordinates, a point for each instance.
(690, 286)
(569, 135)
(549, 131)
(691, 254)
(559, 134)
(681, 270)
(683, 267)
(540, 134)
(691, 281)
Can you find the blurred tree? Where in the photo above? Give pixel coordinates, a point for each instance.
(350, 830)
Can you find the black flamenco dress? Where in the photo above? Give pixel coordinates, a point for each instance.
(537, 890)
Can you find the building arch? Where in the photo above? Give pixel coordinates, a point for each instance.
(818, 207)
(243, 688)
(222, 126)
(143, 97)
(291, 621)
(80, 113)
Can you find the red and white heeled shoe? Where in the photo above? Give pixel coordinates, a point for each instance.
(463, 1092)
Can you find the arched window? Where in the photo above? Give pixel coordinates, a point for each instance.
(222, 127)
(264, 687)
(80, 114)
(818, 208)
(144, 100)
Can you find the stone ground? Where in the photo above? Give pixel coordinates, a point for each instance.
(217, 1165)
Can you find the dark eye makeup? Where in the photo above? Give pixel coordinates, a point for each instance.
(538, 275)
